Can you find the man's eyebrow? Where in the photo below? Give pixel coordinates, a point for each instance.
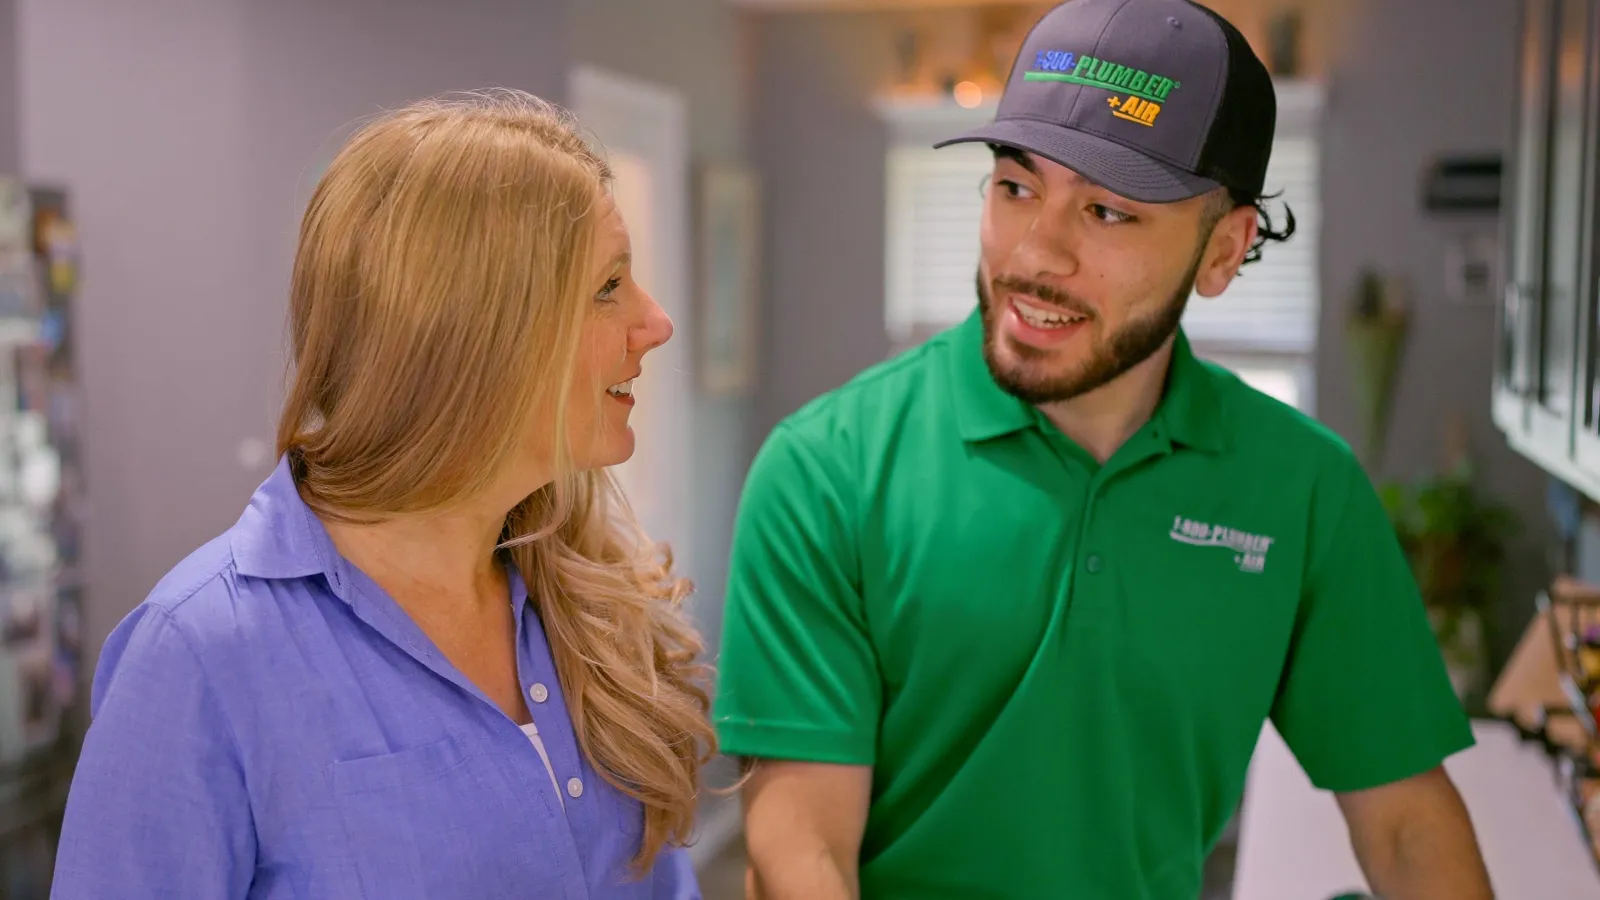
(1016, 156)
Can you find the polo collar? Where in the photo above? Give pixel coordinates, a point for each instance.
(1190, 410)
(983, 409)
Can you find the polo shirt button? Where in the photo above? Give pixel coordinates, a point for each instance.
(539, 693)
(1093, 564)
(574, 788)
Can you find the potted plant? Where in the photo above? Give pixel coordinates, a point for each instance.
(1455, 540)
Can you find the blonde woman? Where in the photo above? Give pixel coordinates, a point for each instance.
(434, 658)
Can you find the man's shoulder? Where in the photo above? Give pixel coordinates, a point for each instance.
(873, 403)
(1259, 422)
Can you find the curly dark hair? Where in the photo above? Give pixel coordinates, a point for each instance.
(1229, 199)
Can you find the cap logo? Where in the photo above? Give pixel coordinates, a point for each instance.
(1145, 92)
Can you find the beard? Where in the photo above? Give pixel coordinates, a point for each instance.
(1033, 376)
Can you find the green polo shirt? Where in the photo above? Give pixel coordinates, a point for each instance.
(1058, 669)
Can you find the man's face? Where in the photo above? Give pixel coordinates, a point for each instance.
(1078, 285)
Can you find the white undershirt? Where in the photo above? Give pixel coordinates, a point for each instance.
(532, 731)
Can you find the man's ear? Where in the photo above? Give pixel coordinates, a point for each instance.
(1224, 253)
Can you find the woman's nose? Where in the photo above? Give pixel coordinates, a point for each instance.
(656, 328)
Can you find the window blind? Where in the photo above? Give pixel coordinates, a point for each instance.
(935, 204)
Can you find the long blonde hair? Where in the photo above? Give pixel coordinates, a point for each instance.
(438, 295)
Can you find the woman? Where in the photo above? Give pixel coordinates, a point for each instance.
(434, 658)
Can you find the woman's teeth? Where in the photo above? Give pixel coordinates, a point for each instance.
(1040, 318)
(624, 389)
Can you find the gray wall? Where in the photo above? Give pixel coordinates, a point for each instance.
(10, 136)
(821, 152)
(1386, 119)
(700, 48)
(697, 47)
(183, 129)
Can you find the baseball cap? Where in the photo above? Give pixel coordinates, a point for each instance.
(1154, 100)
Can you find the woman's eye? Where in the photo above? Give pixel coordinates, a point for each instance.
(605, 295)
(1014, 190)
(1108, 215)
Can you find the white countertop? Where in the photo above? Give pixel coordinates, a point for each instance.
(1293, 844)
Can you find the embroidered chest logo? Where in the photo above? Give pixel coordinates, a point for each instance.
(1136, 95)
(1249, 550)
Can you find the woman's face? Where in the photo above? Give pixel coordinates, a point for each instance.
(624, 324)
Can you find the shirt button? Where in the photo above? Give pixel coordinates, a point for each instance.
(574, 788)
(539, 693)
(1093, 564)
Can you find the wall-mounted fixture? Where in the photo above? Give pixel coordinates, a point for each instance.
(1463, 184)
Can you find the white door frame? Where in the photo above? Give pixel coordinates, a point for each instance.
(648, 123)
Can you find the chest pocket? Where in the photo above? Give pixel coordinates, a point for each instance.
(428, 822)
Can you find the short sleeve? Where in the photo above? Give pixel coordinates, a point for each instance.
(1366, 699)
(798, 673)
(158, 806)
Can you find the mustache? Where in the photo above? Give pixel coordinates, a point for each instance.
(1042, 292)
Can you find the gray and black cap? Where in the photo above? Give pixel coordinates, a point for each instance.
(1154, 100)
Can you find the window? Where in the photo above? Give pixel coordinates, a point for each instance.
(1263, 326)
(1285, 377)
(935, 204)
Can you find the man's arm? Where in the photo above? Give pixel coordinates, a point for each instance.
(803, 825)
(1366, 701)
(1414, 840)
(799, 674)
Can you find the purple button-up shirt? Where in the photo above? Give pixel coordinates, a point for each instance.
(270, 724)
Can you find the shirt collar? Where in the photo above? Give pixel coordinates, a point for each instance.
(1189, 409)
(983, 409)
(278, 536)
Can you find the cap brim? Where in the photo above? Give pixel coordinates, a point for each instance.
(1116, 168)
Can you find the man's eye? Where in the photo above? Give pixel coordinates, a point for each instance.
(1014, 190)
(1108, 215)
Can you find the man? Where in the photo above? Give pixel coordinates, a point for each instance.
(1007, 614)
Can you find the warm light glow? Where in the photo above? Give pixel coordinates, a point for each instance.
(968, 94)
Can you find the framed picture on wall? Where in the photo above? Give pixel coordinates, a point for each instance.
(729, 281)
